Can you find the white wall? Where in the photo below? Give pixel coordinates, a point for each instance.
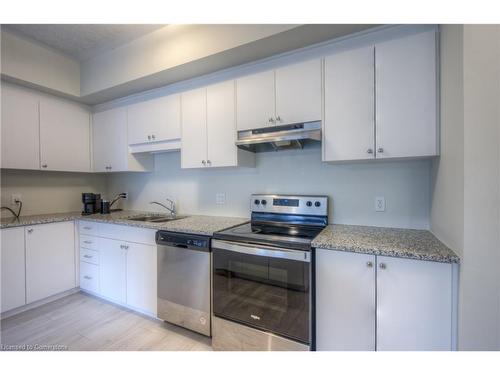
(170, 46)
(465, 211)
(48, 192)
(38, 65)
(352, 187)
(480, 312)
(447, 208)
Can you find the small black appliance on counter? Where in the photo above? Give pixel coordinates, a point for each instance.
(91, 203)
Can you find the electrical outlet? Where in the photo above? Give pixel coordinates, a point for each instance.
(220, 198)
(379, 204)
(14, 198)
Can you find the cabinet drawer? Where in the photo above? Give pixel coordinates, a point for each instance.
(89, 277)
(89, 256)
(89, 242)
(89, 228)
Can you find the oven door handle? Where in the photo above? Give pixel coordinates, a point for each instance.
(271, 252)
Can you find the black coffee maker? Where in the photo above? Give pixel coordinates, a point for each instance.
(91, 203)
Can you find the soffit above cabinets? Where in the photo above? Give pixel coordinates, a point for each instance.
(146, 62)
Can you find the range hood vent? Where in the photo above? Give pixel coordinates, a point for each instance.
(277, 138)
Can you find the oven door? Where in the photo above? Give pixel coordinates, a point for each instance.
(263, 287)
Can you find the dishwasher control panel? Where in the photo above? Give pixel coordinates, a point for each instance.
(189, 241)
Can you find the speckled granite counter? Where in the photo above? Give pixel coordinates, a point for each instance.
(196, 224)
(403, 243)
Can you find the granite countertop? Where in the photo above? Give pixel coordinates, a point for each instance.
(196, 224)
(402, 243)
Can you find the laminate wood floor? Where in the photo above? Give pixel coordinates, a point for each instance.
(84, 322)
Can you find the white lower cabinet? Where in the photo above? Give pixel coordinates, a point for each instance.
(118, 263)
(50, 259)
(141, 277)
(345, 301)
(113, 269)
(412, 309)
(89, 277)
(414, 304)
(13, 269)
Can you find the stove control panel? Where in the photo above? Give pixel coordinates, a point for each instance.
(290, 204)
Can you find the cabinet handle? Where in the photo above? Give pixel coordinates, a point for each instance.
(124, 247)
(89, 242)
(209, 162)
(149, 137)
(30, 230)
(369, 264)
(271, 120)
(44, 165)
(369, 151)
(380, 150)
(382, 266)
(87, 228)
(278, 118)
(88, 256)
(153, 137)
(87, 277)
(204, 162)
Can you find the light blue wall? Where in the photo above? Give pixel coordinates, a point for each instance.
(352, 187)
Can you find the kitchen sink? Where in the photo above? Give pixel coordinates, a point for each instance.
(155, 218)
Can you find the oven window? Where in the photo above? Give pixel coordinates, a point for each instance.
(267, 293)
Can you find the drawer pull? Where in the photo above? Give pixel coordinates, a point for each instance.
(87, 228)
(89, 242)
(88, 256)
(87, 277)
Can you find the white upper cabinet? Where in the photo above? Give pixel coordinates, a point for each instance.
(298, 93)
(288, 95)
(406, 97)
(110, 144)
(20, 128)
(194, 129)
(255, 101)
(64, 136)
(155, 125)
(414, 304)
(209, 130)
(50, 259)
(349, 106)
(221, 127)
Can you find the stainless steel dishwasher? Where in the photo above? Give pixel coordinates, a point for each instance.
(184, 280)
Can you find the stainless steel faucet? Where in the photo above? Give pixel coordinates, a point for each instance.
(171, 209)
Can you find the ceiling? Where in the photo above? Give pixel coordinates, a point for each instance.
(82, 42)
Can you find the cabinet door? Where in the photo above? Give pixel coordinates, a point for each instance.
(349, 128)
(20, 130)
(141, 277)
(155, 120)
(13, 268)
(50, 259)
(414, 302)
(113, 269)
(406, 110)
(298, 93)
(255, 101)
(221, 126)
(110, 140)
(194, 128)
(345, 300)
(64, 136)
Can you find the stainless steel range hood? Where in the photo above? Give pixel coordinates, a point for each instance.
(275, 138)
